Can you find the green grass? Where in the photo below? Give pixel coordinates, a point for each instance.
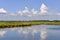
(12, 24)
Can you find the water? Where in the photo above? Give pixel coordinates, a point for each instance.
(37, 32)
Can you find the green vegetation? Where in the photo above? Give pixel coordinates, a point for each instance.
(11, 24)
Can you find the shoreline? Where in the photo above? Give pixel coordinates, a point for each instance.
(12, 24)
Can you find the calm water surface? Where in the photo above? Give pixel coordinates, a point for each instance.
(38, 32)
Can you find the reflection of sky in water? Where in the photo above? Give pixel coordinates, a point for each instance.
(43, 34)
(2, 33)
(39, 32)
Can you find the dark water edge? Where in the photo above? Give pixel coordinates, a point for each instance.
(16, 26)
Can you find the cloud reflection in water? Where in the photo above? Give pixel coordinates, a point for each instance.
(2, 33)
(43, 34)
(26, 33)
(33, 31)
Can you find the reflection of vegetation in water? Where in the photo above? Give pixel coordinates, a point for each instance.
(9, 24)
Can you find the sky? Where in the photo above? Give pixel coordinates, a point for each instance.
(29, 9)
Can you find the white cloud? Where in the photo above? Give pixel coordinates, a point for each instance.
(13, 14)
(26, 10)
(31, 13)
(43, 9)
(34, 11)
(2, 10)
(20, 13)
(58, 14)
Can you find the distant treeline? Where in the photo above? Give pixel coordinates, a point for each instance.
(31, 20)
(11, 24)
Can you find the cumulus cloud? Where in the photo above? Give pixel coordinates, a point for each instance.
(26, 10)
(2, 10)
(29, 13)
(34, 11)
(20, 13)
(43, 9)
(32, 14)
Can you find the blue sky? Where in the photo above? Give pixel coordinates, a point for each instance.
(21, 9)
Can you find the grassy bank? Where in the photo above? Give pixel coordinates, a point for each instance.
(11, 24)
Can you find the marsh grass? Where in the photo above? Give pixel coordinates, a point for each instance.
(12, 24)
